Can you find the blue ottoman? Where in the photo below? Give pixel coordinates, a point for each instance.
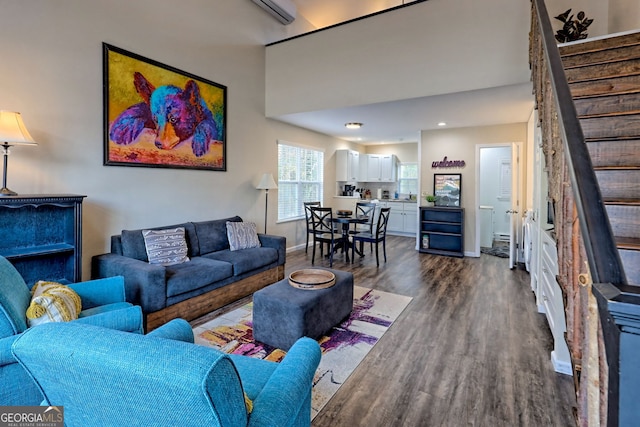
(282, 313)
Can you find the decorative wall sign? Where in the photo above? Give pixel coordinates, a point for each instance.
(447, 188)
(158, 116)
(445, 163)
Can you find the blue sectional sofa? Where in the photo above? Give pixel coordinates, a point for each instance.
(133, 380)
(213, 277)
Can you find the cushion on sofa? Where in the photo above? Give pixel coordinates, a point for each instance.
(133, 241)
(52, 302)
(246, 260)
(195, 274)
(242, 235)
(166, 247)
(212, 235)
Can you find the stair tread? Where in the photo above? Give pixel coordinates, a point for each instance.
(609, 114)
(589, 46)
(628, 243)
(617, 168)
(607, 86)
(599, 95)
(619, 202)
(611, 139)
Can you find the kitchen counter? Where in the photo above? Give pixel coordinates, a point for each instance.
(398, 201)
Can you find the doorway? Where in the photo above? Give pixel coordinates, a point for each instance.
(497, 197)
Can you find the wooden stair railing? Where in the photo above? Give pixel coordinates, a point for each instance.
(604, 79)
(588, 111)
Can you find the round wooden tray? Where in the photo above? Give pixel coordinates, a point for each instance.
(312, 279)
(344, 212)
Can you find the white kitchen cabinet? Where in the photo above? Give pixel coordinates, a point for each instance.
(388, 168)
(347, 165)
(378, 168)
(403, 217)
(373, 167)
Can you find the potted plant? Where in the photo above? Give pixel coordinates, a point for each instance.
(431, 200)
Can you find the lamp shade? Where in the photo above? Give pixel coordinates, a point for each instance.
(13, 130)
(267, 182)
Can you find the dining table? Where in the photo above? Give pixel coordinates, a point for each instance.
(346, 221)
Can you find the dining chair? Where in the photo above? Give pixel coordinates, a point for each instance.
(367, 209)
(307, 217)
(323, 231)
(378, 235)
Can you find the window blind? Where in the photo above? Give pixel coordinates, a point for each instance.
(300, 179)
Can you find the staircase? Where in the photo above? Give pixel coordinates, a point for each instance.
(604, 78)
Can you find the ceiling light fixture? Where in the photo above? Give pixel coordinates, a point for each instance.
(353, 125)
(442, 124)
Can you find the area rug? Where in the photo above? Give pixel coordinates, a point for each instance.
(499, 249)
(344, 347)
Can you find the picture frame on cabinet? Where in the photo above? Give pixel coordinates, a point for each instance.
(447, 189)
(156, 115)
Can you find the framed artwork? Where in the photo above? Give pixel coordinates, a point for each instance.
(158, 116)
(447, 189)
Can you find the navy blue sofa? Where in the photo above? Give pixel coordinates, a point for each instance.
(214, 277)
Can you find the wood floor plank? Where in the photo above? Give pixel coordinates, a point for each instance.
(470, 349)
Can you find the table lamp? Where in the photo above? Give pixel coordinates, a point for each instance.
(266, 183)
(12, 132)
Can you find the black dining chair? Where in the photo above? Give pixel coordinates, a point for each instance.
(323, 232)
(365, 209)
(307, 217)
(379, 234)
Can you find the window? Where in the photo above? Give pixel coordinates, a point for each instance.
(300, 179)
(408, 178)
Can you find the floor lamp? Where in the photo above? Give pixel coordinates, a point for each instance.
(266, 183)
(12, 132)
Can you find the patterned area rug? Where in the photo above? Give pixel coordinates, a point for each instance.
(344, 347)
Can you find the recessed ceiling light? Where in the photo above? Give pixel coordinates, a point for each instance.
(442, 124)
(353, 125)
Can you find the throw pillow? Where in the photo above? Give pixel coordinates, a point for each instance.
(248, 403)
(52, 302)
(242, 235)
(166, 247)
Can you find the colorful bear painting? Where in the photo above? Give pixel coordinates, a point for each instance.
(159, 116)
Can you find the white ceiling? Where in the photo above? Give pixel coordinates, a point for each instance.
(402, 120)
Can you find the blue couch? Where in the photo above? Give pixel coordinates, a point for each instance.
(105, 377)
(214, 277)
(103, 304)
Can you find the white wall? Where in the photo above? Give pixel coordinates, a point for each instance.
(460, 144)
(52, 73)
(408, 61)
(624, 15)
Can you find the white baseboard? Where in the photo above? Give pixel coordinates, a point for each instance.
(560, 366)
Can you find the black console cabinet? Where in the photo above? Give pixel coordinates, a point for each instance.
(42, 236)
(442, 231)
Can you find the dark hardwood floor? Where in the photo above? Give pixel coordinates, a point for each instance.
(470, 349)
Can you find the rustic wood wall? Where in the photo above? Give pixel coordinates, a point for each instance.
(584, 336)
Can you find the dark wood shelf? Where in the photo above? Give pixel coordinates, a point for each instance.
(43, 236)
(442, 231)
(35, 251)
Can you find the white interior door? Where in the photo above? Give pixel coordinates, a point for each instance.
(516, 216)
